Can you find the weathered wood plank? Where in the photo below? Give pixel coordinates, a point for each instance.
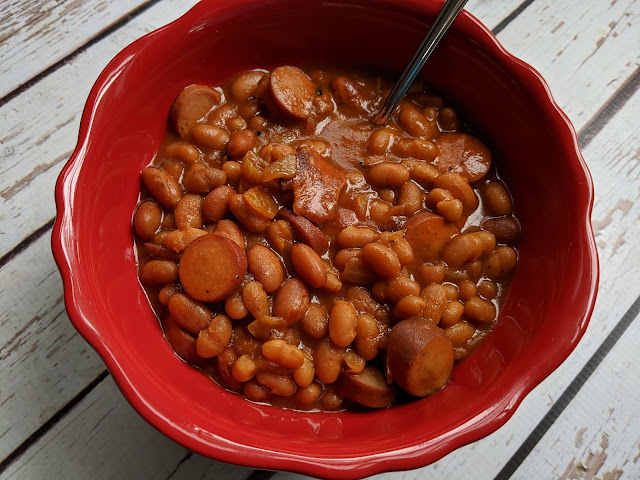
(40, 127)
(43, 361)
(35, 35)
(598, 435)
(585, 51)
(85, 442)
(614, 166)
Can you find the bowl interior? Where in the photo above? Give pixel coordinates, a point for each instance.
(550, 299)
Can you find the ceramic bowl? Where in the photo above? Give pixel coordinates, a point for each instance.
(506, 102)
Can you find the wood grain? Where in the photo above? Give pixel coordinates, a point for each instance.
(104, 422)
(594, 436)
(44, 362)
(573, 47)
(40, 127)
(35, 35)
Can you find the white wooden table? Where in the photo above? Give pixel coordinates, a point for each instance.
(61, 415)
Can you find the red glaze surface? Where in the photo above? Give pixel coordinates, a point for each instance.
(507, 102)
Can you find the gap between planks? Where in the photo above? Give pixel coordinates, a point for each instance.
(28, 83)
(46, 426)
(570, 392)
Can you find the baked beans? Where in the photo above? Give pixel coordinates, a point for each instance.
(304, 257)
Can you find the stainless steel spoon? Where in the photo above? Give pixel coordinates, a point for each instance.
(445, 18)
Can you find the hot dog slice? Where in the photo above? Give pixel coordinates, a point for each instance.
(305, 231)
(419, 356)
(193, 103)
(292, 90)
(211, 268)
(427, 233)
(368, 388)
(463, 154)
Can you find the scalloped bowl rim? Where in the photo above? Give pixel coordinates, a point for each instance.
(231, 452)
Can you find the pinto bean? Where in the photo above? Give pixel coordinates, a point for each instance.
(266, 268)
(328, 361)
(158, 272)
(479, 310)
(388, 175)
(202, 179)
(162, 187)
(292, 301)
(356, 237)
(497, 200)
(305, 396)
(183, 343)
(342, 323)
(459, 188)
(188, 212)
(367, 332)
(147, 219)
(210, 136)
(216, 203)
(244, 86)
(235, 307)
(244, 368)
(315, 321)
(382, 260)
(505, 229)
(228, 229)
(308, 264)
(191, 315)
(255, 299)
(415, 124)
(283, 354)
(241, 142)
(347, 92)
(213, 339)
(184, 152)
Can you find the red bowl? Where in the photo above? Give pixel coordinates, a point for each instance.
(505, 100)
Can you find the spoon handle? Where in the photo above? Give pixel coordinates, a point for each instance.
(443, 21)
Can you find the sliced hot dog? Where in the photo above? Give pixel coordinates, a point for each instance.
(292, 90)
(368, 388)
(305, 231)
(211, 268)
(463, 154)
(419, 356)
(427, 233)
(193, 103)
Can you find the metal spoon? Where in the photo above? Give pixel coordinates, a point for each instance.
(445, 18)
